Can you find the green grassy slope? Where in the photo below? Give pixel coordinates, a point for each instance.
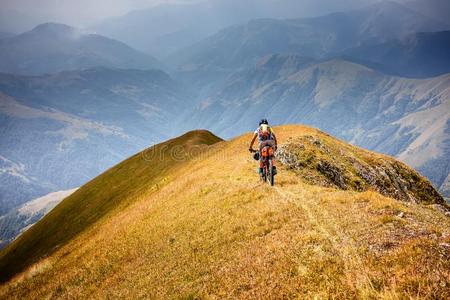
(209, 229)
(119, 186)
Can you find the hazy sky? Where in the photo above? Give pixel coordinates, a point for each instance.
(20, 15)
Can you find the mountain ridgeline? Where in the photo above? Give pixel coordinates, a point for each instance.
(51, 48)
(170, 27)
(242, 46)
(189, 218)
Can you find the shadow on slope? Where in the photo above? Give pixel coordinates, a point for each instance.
(114, 189)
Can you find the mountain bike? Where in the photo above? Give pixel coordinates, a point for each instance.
(269, 171)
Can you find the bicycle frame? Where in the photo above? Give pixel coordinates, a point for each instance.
(267, 156)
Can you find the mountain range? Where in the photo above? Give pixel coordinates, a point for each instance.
(51, 48)
(58, 131)
(169, 27)
(243, 45)
(108, 114)
(406, 118)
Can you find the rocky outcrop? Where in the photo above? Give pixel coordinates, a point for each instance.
(329, 162)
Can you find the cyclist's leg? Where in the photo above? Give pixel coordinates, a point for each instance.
(261, 165)
(272, 144)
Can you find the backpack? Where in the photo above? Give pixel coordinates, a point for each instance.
(264, 133)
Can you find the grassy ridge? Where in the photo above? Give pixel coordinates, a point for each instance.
(115, 189)
(212, 230)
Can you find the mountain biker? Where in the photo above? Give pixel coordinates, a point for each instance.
(266, 137)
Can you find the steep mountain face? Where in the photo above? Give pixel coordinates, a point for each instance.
(242, 45)
(51, 48)
(59, 131)
(420, 55)
(200, 225)
(407, 118)
(115, 189)
(22, 218)
(166, 28)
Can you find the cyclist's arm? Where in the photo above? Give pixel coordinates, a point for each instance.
(253, 141)
(274, 137)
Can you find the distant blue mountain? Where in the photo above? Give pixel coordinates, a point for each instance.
(419, 55)
(243, 45)
(51, 48)
(168, 27)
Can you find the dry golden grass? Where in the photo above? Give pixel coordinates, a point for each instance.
(213, 231)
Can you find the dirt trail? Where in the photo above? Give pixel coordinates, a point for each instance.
(343, 244)
(289, 187)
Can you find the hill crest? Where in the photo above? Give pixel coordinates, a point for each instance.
(205, 227)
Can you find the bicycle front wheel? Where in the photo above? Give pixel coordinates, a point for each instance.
(271, 175)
